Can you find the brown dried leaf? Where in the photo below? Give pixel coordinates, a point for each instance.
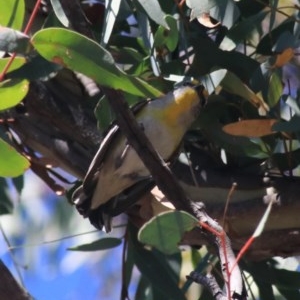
(251, 128)
(283, 58)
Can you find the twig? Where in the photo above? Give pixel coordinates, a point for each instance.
(209, 282)
(9, 287)
(12, 255)
(124, 288)
(26, 30)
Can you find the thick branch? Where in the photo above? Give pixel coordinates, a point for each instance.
(9, 287)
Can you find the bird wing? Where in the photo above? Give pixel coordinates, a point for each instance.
(83, 194)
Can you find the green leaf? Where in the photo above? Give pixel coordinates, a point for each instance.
(275, 89)
(292, 103)
(6, 205)
(200, 7)
(129, 267)
(213, 80)
(112, 8)
(239, 32)
(17, 63)
(12, 91)
(102, 244)
(234, 85)
(154, 11)
(267, 273)
(266, 43)
(211, 122)
(273, 5)
(12, 14)
(128, 56)
(165, 230)
(103, 114)
(249, 8)
(224, 11)
(167, 37)
(12, 164)
(293, 125)
(18, 183)
(83, 55)
(59, 12)
(286, 161)
(154, 266)
(265, 291)
(285, 41)
(200, 265)
(36, 68)
(289, 294)
(143, 291)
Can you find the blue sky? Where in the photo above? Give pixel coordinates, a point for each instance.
(50, 271)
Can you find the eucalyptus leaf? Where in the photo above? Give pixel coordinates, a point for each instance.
(144, 289)
(267, 273)
(12, 164)
(59, 12)
(12, 14)
(211, 126)
(293, 125)
(242, 29)
(292, 103)
(289, 294)
(111, 12)
(103, 114)
(234, 84)
(224, 11)
(165, 230)
(285, 40)
(6, 205)
(275, 89)
(296, 30)
(12, 92)
(213, 80)
(16, 64)
(18, 183)
(102, 244)
(200, 7)
(83, 55)
(266, 44)
(167, 37)
(154, 263)
(154, 11)
(273, 5)
(36, 68)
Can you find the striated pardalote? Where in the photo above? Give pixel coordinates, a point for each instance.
(117, 167)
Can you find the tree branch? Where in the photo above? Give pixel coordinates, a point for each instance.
(9, 287)
(170, 187)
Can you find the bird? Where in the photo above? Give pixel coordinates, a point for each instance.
(116, 167)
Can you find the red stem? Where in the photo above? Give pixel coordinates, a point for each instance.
(242, 251)
(26, 30)
(32, 16)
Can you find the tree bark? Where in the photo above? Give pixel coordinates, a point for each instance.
(9, 287)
